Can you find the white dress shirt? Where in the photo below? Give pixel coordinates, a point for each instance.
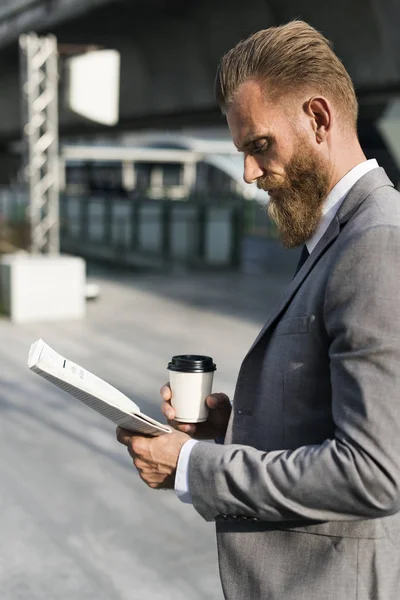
(335, 198)
(329, 210)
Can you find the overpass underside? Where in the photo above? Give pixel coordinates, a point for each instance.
(170, 50)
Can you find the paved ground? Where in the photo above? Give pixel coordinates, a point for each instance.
(76, 522)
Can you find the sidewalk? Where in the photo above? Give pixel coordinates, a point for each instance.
(76, 520)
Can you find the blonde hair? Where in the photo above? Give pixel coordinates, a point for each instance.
(288, 58)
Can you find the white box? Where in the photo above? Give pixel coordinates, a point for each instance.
(42, 287)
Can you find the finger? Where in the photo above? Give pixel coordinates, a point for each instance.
(165, 392)
(124, 436)
(152, 481)
(188, 428)
(217, 400)
(140, 464)
(168, 411)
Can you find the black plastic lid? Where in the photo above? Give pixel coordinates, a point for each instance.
(192, 363)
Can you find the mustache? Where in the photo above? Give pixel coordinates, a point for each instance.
(266, 183)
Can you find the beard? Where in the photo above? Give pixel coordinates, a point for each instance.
(296, 203)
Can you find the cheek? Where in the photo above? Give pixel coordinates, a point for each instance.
(287, 146)
(276, 160)
(281, 161)
(275, 168)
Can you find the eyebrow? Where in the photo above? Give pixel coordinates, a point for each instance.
(252, 140)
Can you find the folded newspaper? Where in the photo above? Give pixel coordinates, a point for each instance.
(91, 390)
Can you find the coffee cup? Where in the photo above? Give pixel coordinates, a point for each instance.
(190, 378)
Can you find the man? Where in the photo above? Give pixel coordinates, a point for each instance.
(305, 491)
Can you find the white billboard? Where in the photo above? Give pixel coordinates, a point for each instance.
(93, 85)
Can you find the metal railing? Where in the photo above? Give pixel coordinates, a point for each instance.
(14, 227)
(144, 232)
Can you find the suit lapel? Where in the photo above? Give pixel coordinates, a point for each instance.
(327, 239)
(359, 192)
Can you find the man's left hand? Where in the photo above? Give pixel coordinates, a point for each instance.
(156, 458)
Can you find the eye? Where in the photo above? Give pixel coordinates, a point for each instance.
(260, 147)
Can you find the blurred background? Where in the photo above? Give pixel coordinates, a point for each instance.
(112, 149)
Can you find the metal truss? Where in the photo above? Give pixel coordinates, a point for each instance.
(39, 80)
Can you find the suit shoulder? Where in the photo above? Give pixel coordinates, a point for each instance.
(385, 202)
(380, 208)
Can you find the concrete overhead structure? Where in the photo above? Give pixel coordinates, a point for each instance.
(170, 50)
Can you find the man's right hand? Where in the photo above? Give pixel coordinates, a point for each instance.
(213, 428)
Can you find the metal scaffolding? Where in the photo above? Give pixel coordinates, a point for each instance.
(39, 81)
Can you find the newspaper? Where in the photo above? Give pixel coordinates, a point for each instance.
(91, 390)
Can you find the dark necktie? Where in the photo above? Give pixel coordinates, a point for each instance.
(303, 257)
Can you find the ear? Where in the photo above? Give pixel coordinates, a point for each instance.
(319, 110)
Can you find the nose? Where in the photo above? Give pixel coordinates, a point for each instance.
(252, 169)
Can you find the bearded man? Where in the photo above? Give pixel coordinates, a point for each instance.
(305, 489)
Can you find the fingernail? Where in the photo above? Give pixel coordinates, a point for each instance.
(170, 414)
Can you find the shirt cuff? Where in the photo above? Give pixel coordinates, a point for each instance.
(182, 473)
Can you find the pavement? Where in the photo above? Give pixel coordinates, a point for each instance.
(76, 521)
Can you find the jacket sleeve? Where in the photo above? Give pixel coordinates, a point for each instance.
(355, 475)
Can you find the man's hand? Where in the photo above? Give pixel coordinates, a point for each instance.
(155, 458)
(213, 428)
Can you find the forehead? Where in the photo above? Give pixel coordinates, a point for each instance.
(252, 113)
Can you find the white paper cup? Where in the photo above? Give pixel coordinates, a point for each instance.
(190, 378)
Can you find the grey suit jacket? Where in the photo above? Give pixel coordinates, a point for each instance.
(306, 490)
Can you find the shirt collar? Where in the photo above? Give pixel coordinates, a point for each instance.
(336, 197)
